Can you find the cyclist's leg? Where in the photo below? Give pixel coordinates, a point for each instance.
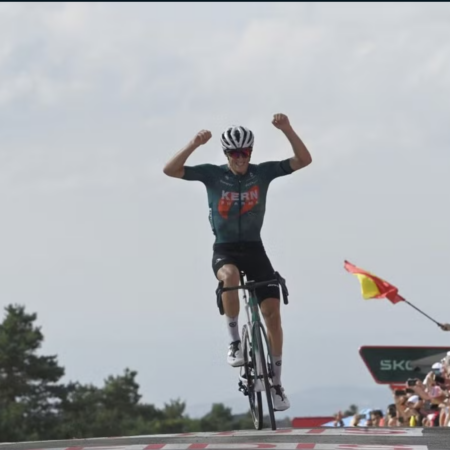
(269, 301)
(226, 270)
(229, 274)
(270, 308)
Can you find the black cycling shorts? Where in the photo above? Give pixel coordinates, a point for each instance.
(251, 258)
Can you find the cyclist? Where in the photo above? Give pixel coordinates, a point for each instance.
(236, 194)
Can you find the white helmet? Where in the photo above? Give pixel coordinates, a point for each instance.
(236, 137)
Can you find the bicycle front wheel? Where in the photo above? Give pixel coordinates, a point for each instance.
(254, 398)
(260, 338)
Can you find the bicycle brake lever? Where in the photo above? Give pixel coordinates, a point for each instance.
(284, 289)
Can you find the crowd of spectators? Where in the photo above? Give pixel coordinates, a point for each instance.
(419, 403)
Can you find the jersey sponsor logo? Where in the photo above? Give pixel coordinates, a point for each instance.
(248, 201)
(251, 182)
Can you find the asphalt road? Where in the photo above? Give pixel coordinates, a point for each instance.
(288, 439)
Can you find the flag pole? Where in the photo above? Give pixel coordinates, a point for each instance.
(421, 312)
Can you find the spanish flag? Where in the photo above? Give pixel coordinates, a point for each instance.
(373, 286)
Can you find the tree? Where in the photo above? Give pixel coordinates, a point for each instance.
(219, 418)
(79, 411)
(119, 399)
(34, 405)
(30, 392)
(174, 420)
(89, 411)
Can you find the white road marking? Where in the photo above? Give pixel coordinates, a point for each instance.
(250, 446)
(298, 432)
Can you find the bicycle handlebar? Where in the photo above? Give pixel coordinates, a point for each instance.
(252, 285)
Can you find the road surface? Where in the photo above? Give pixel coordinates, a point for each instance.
(281, 439)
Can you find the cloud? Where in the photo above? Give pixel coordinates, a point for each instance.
(95, 98)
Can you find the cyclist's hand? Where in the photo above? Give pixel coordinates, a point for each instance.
(202, 137)
(281, 122)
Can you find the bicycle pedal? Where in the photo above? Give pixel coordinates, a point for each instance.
(243, 388)
(244, 391)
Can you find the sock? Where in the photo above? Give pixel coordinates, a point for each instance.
(276, 369)
(233, 329)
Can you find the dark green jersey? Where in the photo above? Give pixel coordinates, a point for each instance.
(237, 203)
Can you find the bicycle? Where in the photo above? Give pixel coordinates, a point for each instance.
(258, 375)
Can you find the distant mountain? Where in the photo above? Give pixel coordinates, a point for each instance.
(313, 402)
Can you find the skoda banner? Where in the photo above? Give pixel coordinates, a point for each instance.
(394, 365)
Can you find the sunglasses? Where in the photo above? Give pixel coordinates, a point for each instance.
(236, 153)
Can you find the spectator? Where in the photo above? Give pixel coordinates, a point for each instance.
(356, 420)
(423, 403)
(376, 417)
(428, 406)
(338, 419)
(391, 417)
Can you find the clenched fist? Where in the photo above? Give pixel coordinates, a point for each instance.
(281, 122)
(202, 137)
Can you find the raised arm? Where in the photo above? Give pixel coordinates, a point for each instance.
(175, 166)
(302, 157)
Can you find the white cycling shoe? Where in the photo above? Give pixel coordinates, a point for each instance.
(235, 357)
(279, 398)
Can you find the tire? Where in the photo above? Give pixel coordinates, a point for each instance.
(254, 398)
(260, 338)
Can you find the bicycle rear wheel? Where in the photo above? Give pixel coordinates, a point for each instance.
(254, 398)
(262, 349)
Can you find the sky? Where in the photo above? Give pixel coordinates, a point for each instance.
(115, 257)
